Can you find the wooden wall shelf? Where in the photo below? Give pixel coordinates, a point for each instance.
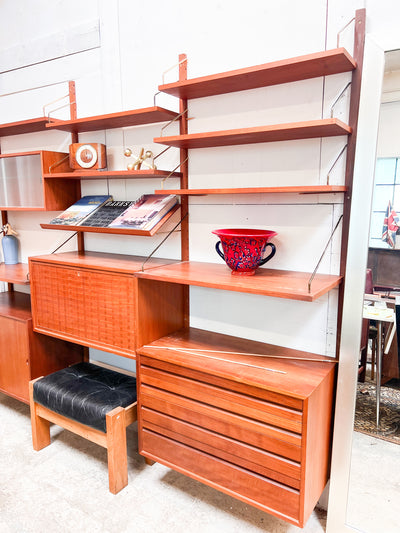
(288, 70)
(111, 174)
(136, 117)
(114, 231)
(23, 126)
(18, 273)
(305, 189)
(268, 282)
(328, 127)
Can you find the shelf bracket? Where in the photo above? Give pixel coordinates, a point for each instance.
(172, 68)
(162, 242)
(59, 107)
(64, 242)
(173, 120)
(57, 163)
(342, 30)
(334, 163)
(339, 97)
(172, 171)
(323, 253)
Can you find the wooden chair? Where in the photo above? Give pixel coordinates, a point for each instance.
(91, 401)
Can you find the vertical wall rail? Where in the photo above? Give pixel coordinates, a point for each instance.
(184, 182)
(358, 55)
(74, 139)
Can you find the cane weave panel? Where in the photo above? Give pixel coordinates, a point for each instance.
(93, 307)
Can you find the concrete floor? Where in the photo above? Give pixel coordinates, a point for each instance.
(64, 488)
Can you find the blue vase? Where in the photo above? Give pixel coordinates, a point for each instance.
(10, 249)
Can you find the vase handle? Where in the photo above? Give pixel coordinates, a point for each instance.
(219, 251)
(270, 256)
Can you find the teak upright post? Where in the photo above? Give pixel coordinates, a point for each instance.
(184, 168)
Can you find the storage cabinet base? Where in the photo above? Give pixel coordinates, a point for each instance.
(24, 354)
(256, 428)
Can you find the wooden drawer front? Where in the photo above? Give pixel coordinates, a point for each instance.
(264, 436)
(263, 411)
(238, 482)
(90, 307)
(293, 403)
(249, 457)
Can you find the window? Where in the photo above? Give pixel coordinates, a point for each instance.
(386, 188)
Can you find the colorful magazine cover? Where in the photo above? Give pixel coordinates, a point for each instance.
(80, 210)
(145, 212)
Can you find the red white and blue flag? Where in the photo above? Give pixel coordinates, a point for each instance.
(390, 226)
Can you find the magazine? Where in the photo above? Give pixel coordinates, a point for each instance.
(146, 212)
(106, 213)
(80, 210)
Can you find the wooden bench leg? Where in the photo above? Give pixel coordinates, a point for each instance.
(149, 462)
(116, 449)
(40, 426)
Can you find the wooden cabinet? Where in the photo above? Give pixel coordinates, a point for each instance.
(23, 185)
(92, 299)
(257, 428)
(25, 355)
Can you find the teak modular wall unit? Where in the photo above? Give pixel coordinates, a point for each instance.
(251, 419)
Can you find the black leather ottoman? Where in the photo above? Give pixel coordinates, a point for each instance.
(85, 392)
(91, 401)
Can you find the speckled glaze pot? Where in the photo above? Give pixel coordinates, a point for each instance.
(243, 249)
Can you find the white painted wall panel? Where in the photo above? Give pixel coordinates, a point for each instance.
(137, 45)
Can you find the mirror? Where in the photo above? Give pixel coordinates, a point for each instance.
(373, 480)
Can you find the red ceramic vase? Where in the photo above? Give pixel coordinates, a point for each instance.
(243, 249)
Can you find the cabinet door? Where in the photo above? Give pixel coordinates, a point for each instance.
(21, 181)
(90, 307)
(14, 358)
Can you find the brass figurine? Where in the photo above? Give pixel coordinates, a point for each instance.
(141, 159)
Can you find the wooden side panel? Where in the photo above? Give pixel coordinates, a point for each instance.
(317, 442)
(160, 309)
(59, 194)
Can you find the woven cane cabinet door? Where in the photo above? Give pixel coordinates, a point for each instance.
(91, 306)
(257, 429)
(92, 298)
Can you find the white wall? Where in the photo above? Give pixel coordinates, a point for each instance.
(136, 45)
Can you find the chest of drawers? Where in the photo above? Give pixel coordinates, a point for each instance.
(256, 428)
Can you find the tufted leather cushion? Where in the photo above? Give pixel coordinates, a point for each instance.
(85, 393)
